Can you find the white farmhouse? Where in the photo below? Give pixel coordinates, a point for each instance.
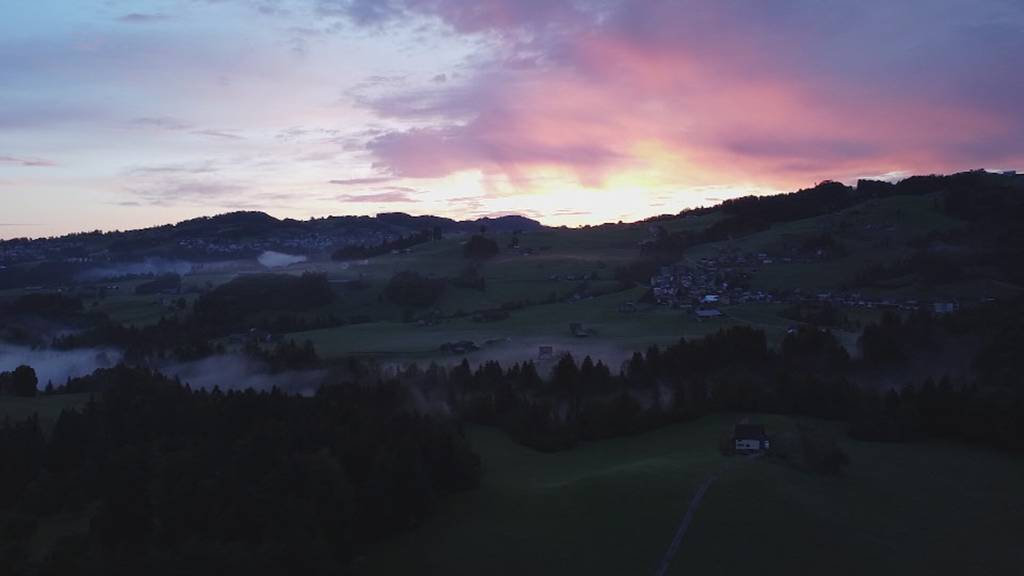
(750, 438)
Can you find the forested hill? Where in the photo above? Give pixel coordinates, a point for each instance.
(246, 234)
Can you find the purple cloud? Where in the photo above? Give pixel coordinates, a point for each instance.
(784, 93)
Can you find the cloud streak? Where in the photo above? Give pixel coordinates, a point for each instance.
(142, 18)
(26, 162)
(387, 196)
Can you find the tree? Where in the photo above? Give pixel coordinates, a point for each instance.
(479, 247)
(24, 381)
(565, 378)
(882, 344)
(414, 290)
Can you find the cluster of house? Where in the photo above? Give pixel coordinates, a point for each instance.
(856, 300)
(22, 250)
(705, 287)
(304, 243)
(71, 248)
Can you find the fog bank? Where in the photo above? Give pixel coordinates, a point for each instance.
(271, 259)
(57, 365)
(237, 372)
(149, 266)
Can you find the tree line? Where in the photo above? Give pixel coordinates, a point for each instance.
(809, 374)
(175, 480)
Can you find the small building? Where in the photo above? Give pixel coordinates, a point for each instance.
(750, 438)
(545, 352)
(945, 307)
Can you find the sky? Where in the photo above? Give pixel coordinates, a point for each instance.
(119, 114)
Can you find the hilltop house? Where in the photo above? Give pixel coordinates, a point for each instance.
(750, 438)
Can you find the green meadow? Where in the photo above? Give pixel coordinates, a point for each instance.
(615, 333)
(613, 506)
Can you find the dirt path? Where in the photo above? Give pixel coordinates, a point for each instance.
(684, 524)
(677, 539)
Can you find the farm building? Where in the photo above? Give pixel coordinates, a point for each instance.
(749, 438)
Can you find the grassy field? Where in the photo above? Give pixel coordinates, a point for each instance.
(616, 334)
(899, 509)
(612, 508)
(540, 270)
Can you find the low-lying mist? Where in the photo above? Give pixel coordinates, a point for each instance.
(149, 266)
(237, 372)
(227, 371)
(271, 259)
(57, 366)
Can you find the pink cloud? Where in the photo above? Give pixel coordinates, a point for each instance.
(735, 90)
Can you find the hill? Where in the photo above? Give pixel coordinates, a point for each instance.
(835, 252)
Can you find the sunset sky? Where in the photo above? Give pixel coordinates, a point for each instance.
(122, 114)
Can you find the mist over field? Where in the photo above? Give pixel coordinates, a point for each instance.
(149, 266)
(236, 372)
(227, 371)
(57, 366)
(271, 259)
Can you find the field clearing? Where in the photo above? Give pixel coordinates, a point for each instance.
(612, 507)
(550, 264)
(135, 309)
(617, 334)
(923, 508)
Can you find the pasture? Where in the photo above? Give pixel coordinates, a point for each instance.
(616, 334)
(612, 507)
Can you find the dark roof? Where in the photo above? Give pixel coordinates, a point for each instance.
(749, 431)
